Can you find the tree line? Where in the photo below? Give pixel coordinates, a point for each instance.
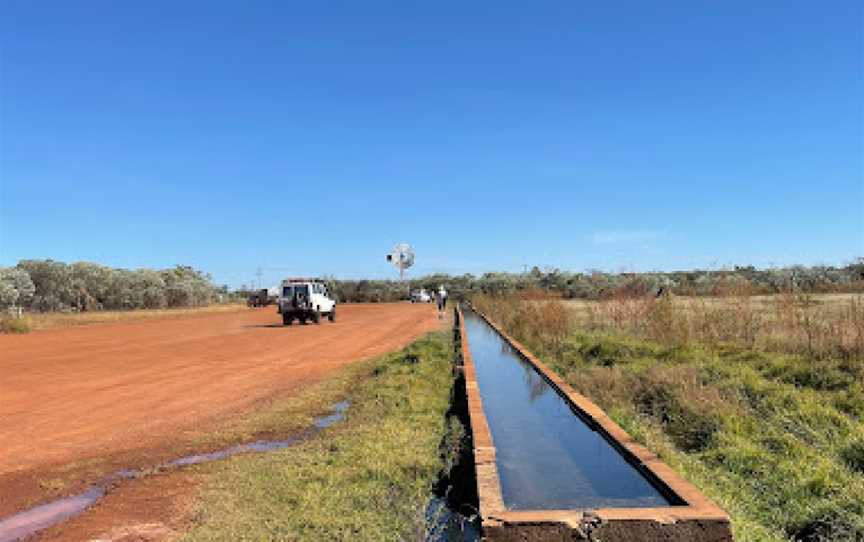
(600, 285)
(48, 285)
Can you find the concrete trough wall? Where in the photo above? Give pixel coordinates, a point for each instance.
(696, 519)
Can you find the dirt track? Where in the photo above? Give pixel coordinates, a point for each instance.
(74, 395)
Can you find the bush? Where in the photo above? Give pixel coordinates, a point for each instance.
(606, 353)
(47, 286)
(853, 456)
(12, 324)
(827, 526)
(689, 412)
(541, 321)
(851, 401)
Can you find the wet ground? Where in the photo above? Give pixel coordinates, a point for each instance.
(38, 518)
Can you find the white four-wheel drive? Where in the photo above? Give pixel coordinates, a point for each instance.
(305, 299)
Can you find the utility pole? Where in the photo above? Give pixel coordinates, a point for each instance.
(258, 274)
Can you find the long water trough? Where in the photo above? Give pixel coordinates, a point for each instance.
(551, 465)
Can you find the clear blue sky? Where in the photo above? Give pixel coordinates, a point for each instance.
(310, 137)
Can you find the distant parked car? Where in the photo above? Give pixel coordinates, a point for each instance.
(263, 297)
(420, 296)
(260, 298)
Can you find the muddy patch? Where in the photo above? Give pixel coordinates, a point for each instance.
(41, 517)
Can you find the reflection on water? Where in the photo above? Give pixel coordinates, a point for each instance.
(536, 385)
(547, 457)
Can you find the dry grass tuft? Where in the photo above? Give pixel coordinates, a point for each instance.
(14, 324)
(533, 316)
(53, 320)
(791, 323)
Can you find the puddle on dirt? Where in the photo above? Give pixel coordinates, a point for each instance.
(33, 520)
(337, 415)
(547, 456)
(43, 516)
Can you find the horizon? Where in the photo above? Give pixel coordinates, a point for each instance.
(308, 140)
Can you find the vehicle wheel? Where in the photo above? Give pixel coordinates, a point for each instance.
(316, 316)
(332, 315)
(286, 319)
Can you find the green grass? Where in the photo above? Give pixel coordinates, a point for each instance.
(366, 478)
(775, 439)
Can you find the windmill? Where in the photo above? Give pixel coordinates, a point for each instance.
(402, 256)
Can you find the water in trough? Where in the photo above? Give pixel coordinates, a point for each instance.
(547, 456)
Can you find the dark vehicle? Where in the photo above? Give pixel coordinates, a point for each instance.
(261, 298)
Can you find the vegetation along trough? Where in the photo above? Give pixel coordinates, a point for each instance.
(683, 514)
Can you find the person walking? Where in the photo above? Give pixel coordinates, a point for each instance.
(441, 299)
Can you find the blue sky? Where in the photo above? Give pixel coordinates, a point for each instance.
(310, 137)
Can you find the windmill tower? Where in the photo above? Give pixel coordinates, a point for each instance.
(402, 257)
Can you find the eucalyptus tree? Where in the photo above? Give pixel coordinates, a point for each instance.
(52, 282)
(16, 288)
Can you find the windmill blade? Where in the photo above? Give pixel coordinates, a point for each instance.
(401, 256)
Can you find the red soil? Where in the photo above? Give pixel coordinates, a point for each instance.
(78, 402)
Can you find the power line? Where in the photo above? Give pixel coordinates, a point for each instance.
(259, 273)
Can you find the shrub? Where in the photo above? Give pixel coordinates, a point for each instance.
(541, 321)
(606, 353)
(689, 412)
(851, 401)
(827, 526)
(12, 324)
(853, 456)
(818, 378)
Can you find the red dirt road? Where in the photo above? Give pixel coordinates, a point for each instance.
(73, 395)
